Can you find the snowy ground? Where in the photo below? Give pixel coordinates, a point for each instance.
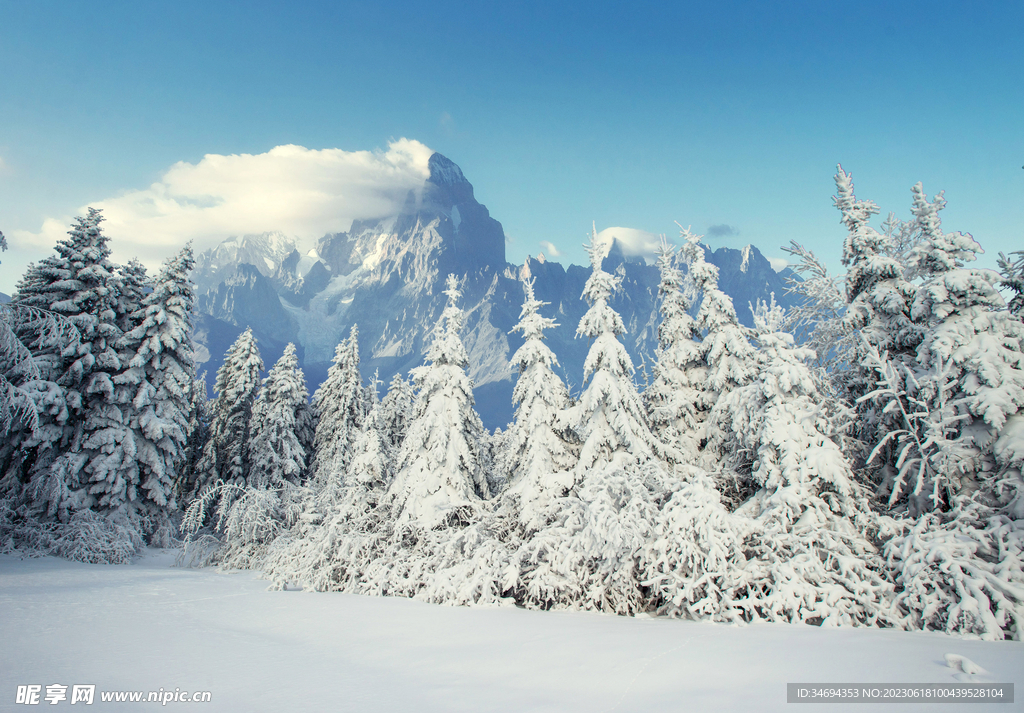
(150, 625)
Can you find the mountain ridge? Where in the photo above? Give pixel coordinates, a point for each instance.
(387, 275)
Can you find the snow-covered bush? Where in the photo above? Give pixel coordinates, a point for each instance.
(961, 572)
(694, 560)
(86, 536)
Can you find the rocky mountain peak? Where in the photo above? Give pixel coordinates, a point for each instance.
(444, 171)
(447, 186)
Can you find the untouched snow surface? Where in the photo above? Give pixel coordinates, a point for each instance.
(150, 625)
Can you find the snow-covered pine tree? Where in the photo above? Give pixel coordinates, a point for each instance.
(23, 391)
(276, 455)
(420, 534)
(341, 407)
(731, 362)
(878, 295)
(396, 407)
(132, 286)
(817, 320)
(225, 456)
(538, 450)
(440, 480)
(959, 472)
(609, 418)
(589, 553)
(373, 454)
(197, 432)
(84, 458)
(879, 302)
(694, 558)
(730, 358)
(154, 389)
(252, 515)
(674, 398)
(811, 557)
(17, 368)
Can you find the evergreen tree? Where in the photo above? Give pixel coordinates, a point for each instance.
(810, 556)
(589, 552)
(609, 418)
(730, 359)
(818, 319)
(23, 392)
(879, 297)
(396, 409)
(879, 300)
(17, 410)
(197, 432)
(674, 397)
(132, 286)
(731, 362)
(155, 387)
(275, 451)
(85, 456)
(538, 449)
(225, 456)
(440, 479)
(340, 406)
(373, 454)
(970, 362)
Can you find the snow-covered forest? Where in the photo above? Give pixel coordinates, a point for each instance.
(855, 461)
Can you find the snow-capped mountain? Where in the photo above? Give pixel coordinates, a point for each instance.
(387, 276)
(265, 252)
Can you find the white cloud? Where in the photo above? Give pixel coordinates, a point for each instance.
(303, 193)
(634, 242)
(778, 263)
(549, 249)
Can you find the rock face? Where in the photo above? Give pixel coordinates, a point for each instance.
(387, 276)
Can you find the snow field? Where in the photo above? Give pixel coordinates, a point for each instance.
(149, 625)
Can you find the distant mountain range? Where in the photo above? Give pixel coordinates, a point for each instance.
(387, 276)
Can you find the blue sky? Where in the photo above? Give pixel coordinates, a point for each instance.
(638, 115)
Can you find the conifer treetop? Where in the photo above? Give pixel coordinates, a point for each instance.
(600, 318)
(939, 252)
(531, 324)
(447, 346)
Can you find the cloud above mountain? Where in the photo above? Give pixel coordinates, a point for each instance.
(722, 230)
(550, 250)
(635, 243)
(303, 193)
